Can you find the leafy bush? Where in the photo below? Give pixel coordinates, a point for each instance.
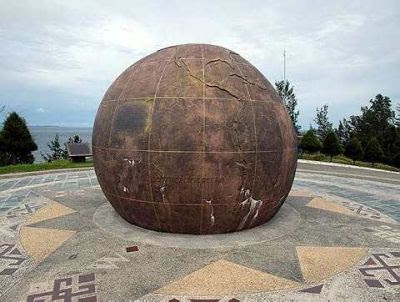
(58, 152)
(396, 160)
(316, 156)
(74, 139)
(16, 142)
(373, 151)
(331, 145)
(354, 150)
(310, 142)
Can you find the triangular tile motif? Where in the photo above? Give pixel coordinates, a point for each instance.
(223, 278)
(15, 252)
(39, 243)
(14, 227)
(207, 300)
(327, 205)
(300, 193)
(53, 210)
(313, 290)
(318, 263)
(370, 261)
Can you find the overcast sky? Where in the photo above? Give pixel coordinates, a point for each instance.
(57, 58)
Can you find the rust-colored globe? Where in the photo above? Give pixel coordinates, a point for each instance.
(194, 139)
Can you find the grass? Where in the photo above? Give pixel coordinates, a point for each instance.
(341, 159)
(58, 164)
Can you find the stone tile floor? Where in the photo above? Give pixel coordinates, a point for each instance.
(336, 238)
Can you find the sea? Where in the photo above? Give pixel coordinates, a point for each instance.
(44, 134)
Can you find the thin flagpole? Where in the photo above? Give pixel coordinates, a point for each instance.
(284, 65)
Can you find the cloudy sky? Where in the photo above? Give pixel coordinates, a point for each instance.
(57, 58)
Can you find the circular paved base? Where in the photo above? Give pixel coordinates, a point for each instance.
(337, 237)
(283, 223)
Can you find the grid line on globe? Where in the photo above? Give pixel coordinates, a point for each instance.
(194, 139)
(204, 137)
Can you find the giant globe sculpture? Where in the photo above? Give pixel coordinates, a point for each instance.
(194, 139)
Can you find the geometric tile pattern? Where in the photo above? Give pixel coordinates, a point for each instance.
(206, 300)
(12, 258)
(313, 290)
(223, 277)
(300, 193)
(80, 288)
(318, 263)
(362, 210)
(9, 201)
(382, 269)
(385, 232)
(23, 210)
(323, 204)
(375, 277)
(39, 243)
(109, 262)
(52, 210)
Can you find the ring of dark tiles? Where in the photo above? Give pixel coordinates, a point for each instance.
(337, 237)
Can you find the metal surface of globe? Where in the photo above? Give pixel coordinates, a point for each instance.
(194, 139)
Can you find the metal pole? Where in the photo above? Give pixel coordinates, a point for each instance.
(284, 65)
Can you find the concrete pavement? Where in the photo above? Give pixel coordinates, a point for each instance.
(336, 238)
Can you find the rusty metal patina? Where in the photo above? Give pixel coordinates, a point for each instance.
(194, 139)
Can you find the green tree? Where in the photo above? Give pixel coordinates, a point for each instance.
(74, 139)
(309, 142)
(322, 121)
(396, 160)
(16, 142)
(354, 150)
(398, 115)
(57, 152)
(3, 156)
(343, 131)
(377, 120)
(287, 95)
(331, 145)
(390, 143)
(373, 151)
(374, 121)
(380, 114)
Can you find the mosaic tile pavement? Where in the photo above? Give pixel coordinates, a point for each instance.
(336, 238)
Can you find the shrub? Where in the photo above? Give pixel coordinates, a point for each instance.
(354, 150)
(74, 139)
(57, 152)
(373, 151)
(310, 142)
(331, 145)
(396, 160)
(16, 142)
